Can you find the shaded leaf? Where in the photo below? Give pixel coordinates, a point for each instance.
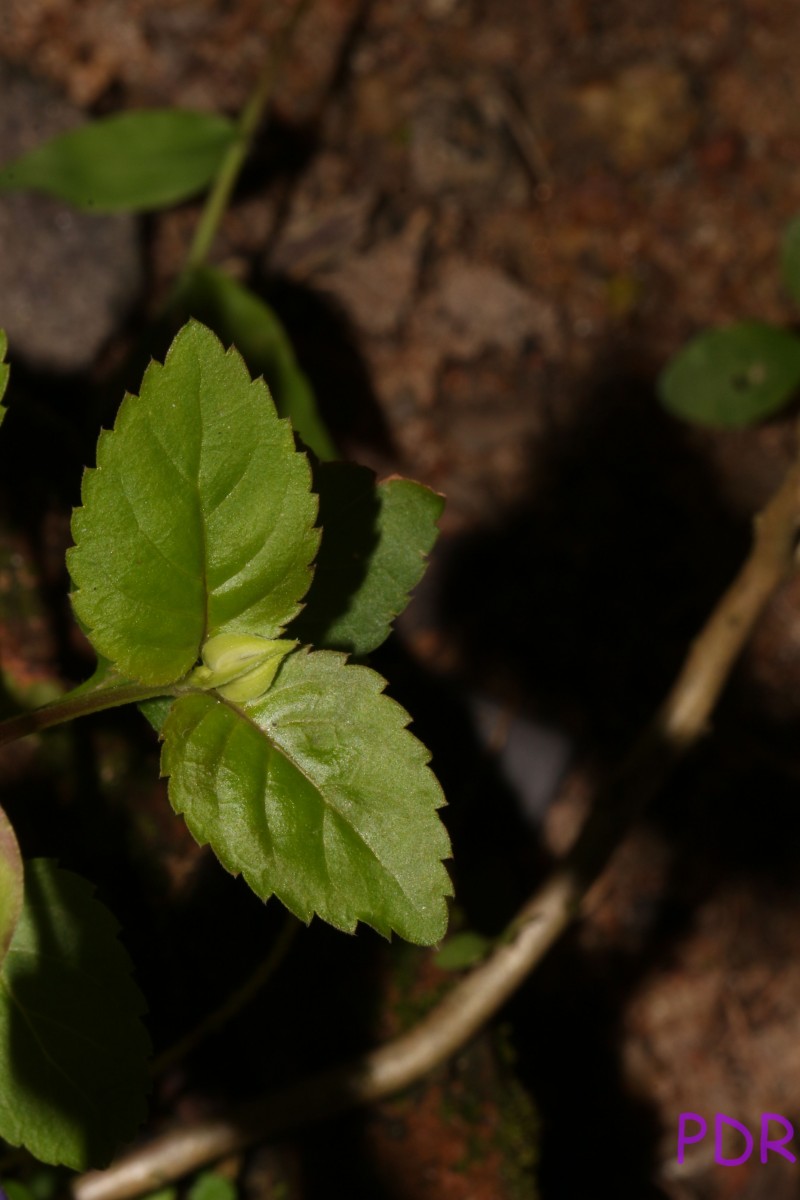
(239, 316)
(210, 1185)
(156, 711)
(14, 1190)
(130, 162)
(463, 950)
(11, 884)
(198, 519)
(734, 376)
(73, 1052)
(317, 793)
(45, 1183)
(376, 537)
(790, 258)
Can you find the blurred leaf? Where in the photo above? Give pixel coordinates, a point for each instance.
(463, 950)
(15, 1190)
(212, 1186)
(375, 539)
(45, 1182)
(790, 258)
(73, 1051)
(11, 884)
(130, 162)
(734, 376)
(240, 317)
(317, 793)
(198, 519)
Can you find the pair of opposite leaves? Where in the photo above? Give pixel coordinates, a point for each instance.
(196, 539)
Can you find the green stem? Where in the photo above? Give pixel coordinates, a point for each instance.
(249, 119)
(76, 704)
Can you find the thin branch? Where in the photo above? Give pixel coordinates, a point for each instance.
(680, 722)
(78, 703)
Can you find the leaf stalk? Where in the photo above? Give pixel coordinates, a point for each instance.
(78, 703)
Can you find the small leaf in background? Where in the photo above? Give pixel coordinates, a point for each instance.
(41, 1183)
(14, 1190)
(73, 1051)
(45, 1183)
(130, 162)
(240, 317)
(197, 521)
(212, 1186)
(4, 371)
(375, 539)
(463, 950)
(790, 258)
(317, 793)
(734, 376)
(11, 884)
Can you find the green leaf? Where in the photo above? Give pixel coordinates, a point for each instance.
(734, 376)
(156, 711)
(198, 519)
(374, 544)
(130, 162)
(11, 884)
(212, 1186)
(317, 793)
(463, 950)
(790, 258)
(4, 371)
(240, 317)
(15, 1190)
(45, 1183)
(73, 1052)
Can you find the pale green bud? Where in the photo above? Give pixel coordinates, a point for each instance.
(240, 666)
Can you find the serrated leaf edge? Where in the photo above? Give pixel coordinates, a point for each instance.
(306, 916)
(153, 370)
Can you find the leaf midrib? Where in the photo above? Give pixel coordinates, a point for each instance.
(234, 708)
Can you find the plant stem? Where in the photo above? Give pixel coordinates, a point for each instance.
(79, 703)
(679, 724)
(249, 119)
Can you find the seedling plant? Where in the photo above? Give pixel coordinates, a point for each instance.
(206, 574)
(232, 583)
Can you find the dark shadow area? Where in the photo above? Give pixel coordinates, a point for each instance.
(349, 507)
(584, 599)
(326, 348)
(580, 606)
